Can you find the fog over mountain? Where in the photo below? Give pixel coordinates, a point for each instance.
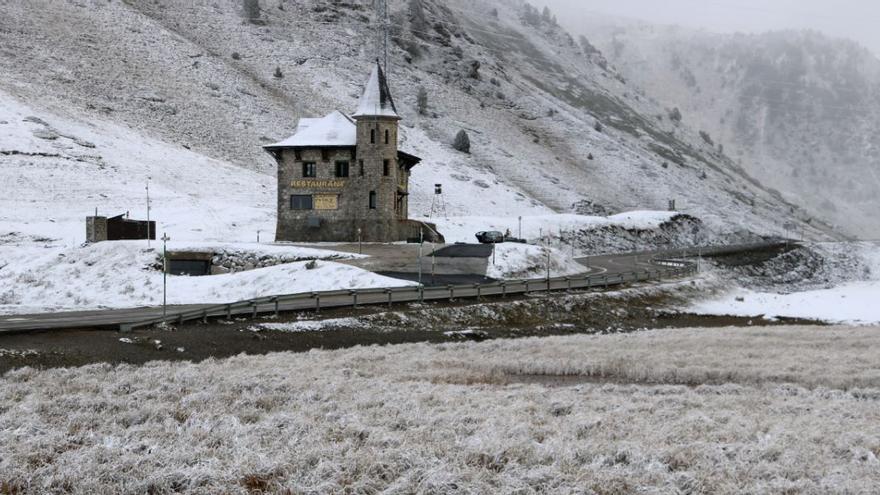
(798, 109)
(854, 19)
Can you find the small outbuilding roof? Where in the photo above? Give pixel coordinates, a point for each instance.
(334, 130)
(376, 100)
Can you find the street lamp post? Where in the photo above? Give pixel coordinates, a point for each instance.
(165, 240)
(360, 243)
(421, 243)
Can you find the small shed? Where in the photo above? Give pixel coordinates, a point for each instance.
(118, 228)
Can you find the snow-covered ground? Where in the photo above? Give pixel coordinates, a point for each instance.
(721, 411)
(534, 227)
(835, 283)
(853, 303)
(513, 260)
(125, 274)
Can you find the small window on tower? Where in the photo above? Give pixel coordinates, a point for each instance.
(372, 136)
(341, 169)
(372, 200)
(361, 167)
(309, 169)
(386, 167)
(387, 136)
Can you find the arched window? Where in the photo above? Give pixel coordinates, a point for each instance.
(387, 136)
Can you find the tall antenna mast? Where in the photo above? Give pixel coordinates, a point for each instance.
(383, 34)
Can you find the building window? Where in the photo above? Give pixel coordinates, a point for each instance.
(387, 136)
(341, 169)
(361, 167)
(301, 202)
(386, 167)
(372, 200)
(309, 169)
(372, 136)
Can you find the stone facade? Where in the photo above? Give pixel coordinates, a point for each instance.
(343, 179)
(96, 229)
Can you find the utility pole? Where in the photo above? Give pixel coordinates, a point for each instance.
(520, 227)
(149, 234)
(421, 243)
(165, 240)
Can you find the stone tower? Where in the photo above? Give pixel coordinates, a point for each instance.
(377, 125)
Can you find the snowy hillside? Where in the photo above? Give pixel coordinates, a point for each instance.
(798, 110)
(187, 92)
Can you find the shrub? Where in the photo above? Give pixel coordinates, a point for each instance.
(422, 101)
(462, 142)
(278, 74)
(675, 115)
(707, 138)
(251, 9)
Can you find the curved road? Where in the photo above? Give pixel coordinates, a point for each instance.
(612, 269)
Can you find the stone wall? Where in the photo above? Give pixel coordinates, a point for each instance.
(352, 193)
(96, 229)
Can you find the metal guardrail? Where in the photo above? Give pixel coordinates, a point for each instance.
(665, 268)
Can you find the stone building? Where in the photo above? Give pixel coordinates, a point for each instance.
(341, 178)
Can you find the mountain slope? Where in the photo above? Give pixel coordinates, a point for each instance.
(553, 128)
(800, 111)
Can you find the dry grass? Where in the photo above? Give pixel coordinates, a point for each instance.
(785, 410)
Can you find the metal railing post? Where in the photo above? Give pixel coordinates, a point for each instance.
(317, 296)
(389, 292)
(228, 312)
(254, 316)
(479, 291)
(503, 289)
(421, 293)
(277, 304)
(451, 293)
(354, 297)
(205, 317)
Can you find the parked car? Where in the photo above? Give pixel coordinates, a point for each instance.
(490, 237)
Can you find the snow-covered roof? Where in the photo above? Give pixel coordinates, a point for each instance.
(336, 129)
(376, 100)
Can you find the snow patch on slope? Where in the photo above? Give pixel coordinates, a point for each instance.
(124, 274)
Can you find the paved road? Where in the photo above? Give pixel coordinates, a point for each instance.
(603, 270)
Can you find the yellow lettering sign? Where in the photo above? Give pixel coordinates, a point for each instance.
(318, 184)
(326, 202)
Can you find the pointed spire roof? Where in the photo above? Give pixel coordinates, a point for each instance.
(376, 100)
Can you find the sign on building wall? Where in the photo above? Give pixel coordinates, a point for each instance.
(318, 184)
(326, 202)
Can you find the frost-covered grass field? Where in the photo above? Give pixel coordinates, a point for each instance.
(757, 410)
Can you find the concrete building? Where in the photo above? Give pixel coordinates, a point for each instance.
(342, 178)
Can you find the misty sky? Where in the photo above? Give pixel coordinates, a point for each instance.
(855, 19)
